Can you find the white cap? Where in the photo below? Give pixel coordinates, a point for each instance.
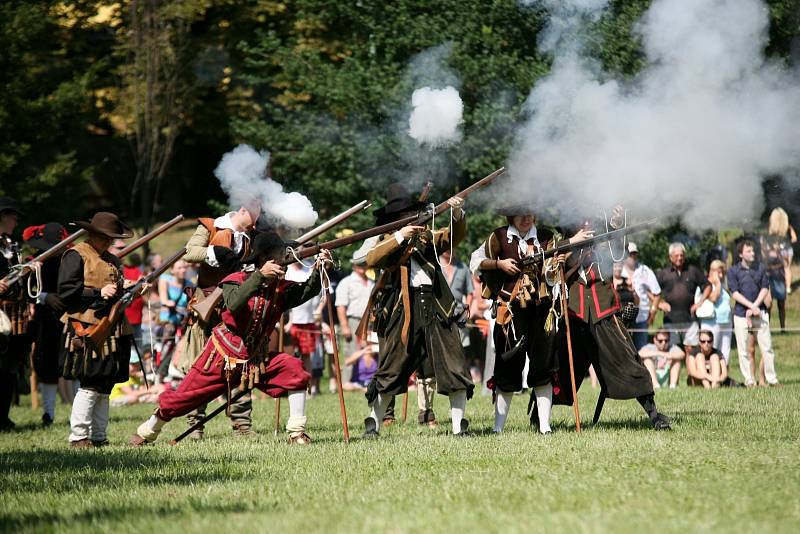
(632, 247)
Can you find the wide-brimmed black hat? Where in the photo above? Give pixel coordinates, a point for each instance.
(9, 204)
(106, 224)
(512, 210)
(398, 201)
(265, 242)
(44, 236)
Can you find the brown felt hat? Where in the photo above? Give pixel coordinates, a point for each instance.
(106, 224)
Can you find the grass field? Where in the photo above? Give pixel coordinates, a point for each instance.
(732, 463)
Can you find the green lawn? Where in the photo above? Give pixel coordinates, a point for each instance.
(732, 463)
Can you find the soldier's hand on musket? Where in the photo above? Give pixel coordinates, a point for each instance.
(407, 232)
(324, 258)
(561, 258)
(457, 203)
(508, 266)
(581, 235)
(108, 291)
(271, 269)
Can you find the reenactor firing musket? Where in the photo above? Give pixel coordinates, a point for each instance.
(205, 307)
(539, 257)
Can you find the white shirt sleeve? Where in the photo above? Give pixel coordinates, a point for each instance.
(399, 238)
(476, 258)
(652, 282)
(211, 258)
(342, 292)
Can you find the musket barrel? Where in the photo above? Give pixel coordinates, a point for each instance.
(311, 234)
(305, 252)
(150, 236)
(56, 249)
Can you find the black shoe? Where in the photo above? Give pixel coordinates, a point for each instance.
(47, 420)
(661, 422)
(370, 429)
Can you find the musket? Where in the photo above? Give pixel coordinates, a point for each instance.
(99, 332)
(18, 272)
(149, 236)
(205, 307)
(539, 257)
(324, 227)
(419, 219)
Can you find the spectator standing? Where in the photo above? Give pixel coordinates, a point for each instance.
(749, 286)
(662, 360)
(132, 271)
(776, 272)
(781, 236)
(679, 282)
(171, 293)
(648, 289)
(623, 285)
(721, 323)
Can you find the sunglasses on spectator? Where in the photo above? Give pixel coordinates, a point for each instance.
(705, 341)
(662, 339)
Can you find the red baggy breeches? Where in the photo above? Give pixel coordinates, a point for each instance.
(200, 386)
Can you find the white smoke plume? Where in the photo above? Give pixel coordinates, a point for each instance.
(694, 134)
(436, 116)
(243, 175)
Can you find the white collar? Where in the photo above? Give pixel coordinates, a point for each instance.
(225, 223)
(512, 231)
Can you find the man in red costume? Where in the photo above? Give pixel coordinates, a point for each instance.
(236, 352)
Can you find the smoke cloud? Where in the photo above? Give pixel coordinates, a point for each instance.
(436, 117)
(243, 175)
(694, 134)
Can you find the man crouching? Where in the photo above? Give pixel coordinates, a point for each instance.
(236, 353)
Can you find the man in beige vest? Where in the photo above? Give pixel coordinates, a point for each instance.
(216, 247)
(90, 281)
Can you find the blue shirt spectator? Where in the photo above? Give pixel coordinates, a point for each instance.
(748, 281)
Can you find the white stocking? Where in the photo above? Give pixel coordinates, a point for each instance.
(458, 403)
(297, 412)
(501, 407)
(49, 392)
(378, 408)
(544, 403)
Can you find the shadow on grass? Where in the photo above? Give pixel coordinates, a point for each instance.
(75, 470)
(27, 521)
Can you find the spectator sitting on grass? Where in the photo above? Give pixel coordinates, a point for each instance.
(133, 390)
(706, 366)
(662, 360)
(365, 363)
